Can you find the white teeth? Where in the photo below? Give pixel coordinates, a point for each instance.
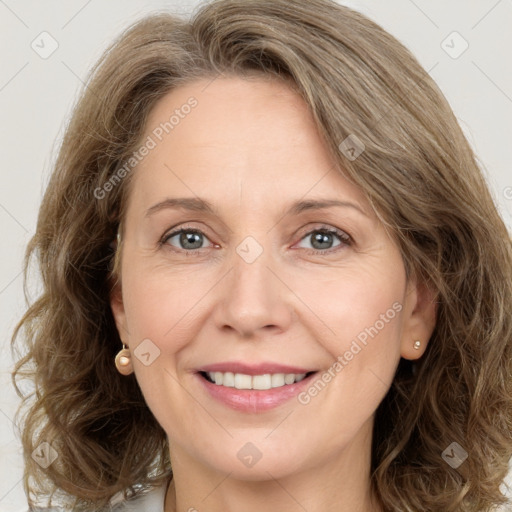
(289, 378)
(260, 382)
(243, 381)
(277, 380)
(227, 379)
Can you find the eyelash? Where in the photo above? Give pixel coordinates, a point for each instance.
(345, 240)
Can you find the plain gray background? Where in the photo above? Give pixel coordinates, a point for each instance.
(38, 90)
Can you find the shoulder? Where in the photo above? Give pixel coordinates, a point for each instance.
(152, 500)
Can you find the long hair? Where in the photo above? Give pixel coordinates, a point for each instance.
(417, 171)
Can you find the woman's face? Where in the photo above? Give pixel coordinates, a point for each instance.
(248, 259)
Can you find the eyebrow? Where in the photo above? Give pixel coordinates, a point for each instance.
(201, 205)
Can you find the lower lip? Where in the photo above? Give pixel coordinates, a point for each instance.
(254, 400)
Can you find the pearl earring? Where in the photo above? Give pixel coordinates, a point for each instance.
(123, 361)
(417, 344)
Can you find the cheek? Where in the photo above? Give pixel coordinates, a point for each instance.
(160, 307)
(364, 319)
(357, 305)
(161, 303)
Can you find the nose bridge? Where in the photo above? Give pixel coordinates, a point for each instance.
(251, 276)
(253, 297)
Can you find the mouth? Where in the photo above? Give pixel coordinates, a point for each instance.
(253, 388)
(261, 382)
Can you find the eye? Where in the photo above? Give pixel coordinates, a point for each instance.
(322, 239)
(190, 240)
(187, 239)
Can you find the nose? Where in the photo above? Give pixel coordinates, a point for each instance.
(255, 299)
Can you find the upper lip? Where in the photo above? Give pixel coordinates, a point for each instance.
(253, 368)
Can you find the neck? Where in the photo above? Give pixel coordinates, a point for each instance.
(339, 484)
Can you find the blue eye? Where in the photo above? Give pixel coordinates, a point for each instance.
(322, 239)
(189, 239)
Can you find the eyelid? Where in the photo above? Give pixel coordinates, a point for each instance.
(176, 230)
(344, 237)
(325, 227)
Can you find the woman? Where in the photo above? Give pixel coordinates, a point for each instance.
(337, 335)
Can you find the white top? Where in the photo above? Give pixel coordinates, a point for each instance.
(151, 501)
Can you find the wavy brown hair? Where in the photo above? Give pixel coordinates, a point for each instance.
(418, 172)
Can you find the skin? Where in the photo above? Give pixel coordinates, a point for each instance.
(251, 148)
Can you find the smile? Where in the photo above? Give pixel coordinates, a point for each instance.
(254, 392)
(260, 382)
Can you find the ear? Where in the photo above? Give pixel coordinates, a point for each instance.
(420, 319)
(118, 312)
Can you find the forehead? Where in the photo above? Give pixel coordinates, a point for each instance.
(236, 135)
